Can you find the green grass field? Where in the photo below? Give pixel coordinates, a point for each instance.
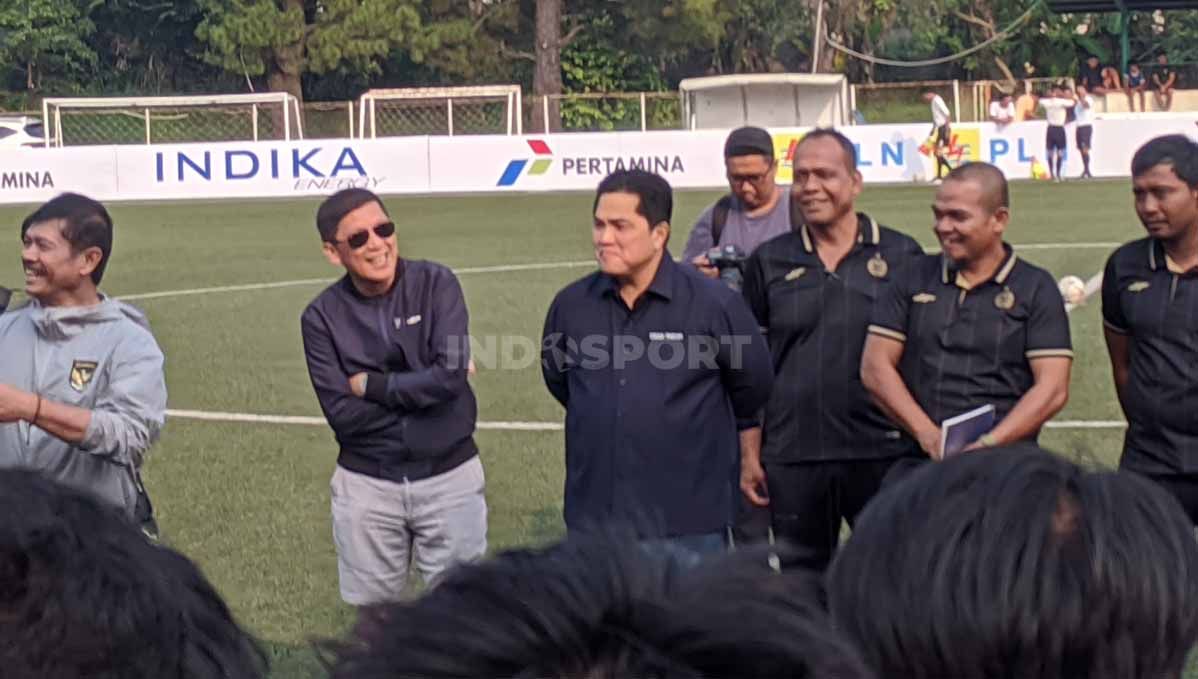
(250, 502)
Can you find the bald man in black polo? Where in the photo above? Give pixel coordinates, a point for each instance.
(972, 326)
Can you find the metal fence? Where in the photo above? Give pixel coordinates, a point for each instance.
(603, 112)
(589, 112)
(330, 120)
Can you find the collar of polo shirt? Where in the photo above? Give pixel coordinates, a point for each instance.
(950, 275)
(1158, 257)
(662, 285)
(868, 233)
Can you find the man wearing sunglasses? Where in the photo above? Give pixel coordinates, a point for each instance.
(387, 354)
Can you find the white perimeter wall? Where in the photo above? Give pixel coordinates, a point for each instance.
(413, 165)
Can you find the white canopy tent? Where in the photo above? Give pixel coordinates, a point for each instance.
(765, 100)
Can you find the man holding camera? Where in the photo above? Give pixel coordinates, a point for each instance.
(82, 390)
(756, 210)
(727, 233)
(826, 447)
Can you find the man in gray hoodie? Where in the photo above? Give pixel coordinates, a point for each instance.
(82, 392)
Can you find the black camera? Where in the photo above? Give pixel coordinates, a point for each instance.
(730, 261)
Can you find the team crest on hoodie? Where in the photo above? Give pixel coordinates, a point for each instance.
(82, 373)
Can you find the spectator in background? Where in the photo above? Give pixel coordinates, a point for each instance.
(82, 389)
(1164, 79)
(1136, 83)
(1056, 107)
(1019, 564)
(1002, 110)
(1111, 82)
(755, 211)
(85, 596)
(941, 131)
(1089, 74)
(602, 608)
(1025, 106)
(1083, 113)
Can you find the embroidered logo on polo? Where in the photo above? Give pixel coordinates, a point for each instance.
(1005, 300)
(923, 298)
(412, 320)
(82, 373)
(877, 266)
(796, 274)
(1138, 286)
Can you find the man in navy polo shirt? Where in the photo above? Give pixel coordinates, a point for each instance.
(655, 364)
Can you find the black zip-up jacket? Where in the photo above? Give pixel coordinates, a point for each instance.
(418, 417)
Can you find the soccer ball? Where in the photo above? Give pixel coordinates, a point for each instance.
(1073, 289)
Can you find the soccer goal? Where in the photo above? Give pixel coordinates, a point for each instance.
(268, 116)
(489, 109)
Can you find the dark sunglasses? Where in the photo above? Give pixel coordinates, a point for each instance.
(384, 230)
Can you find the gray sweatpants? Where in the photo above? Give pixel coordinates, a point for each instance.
(380, 527)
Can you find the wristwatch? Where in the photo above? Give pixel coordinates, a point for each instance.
(988, 440)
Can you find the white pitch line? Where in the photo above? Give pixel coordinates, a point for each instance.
(209, 416)
(502, 269)
(1086, 424)
(326, 281)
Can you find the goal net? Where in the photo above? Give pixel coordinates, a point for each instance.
(491, 109)
(270, 116)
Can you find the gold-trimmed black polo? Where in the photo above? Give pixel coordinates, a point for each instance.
(1150, 299)
(971, 344)
(815, 322)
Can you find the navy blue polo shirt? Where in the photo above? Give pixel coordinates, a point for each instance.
(816, 322)
(1146, 297)
(969, 345)
(652, 397)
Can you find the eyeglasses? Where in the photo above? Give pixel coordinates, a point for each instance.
(738, 179)
(384, 230)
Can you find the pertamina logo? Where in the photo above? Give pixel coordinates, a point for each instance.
(539, 165)
(585, 165)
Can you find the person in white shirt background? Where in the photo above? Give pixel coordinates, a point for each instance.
(1002, 110)
(940, 130)
(1083, 113)
(1056, 111)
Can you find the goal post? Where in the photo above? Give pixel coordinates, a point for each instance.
(484, 109)
(74, 121)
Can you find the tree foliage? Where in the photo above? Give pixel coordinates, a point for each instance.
(338, 48)
(47, 41)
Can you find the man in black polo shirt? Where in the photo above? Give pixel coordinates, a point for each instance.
(1150, 313)
(655, 364)
(826, 446)
(972, 326)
